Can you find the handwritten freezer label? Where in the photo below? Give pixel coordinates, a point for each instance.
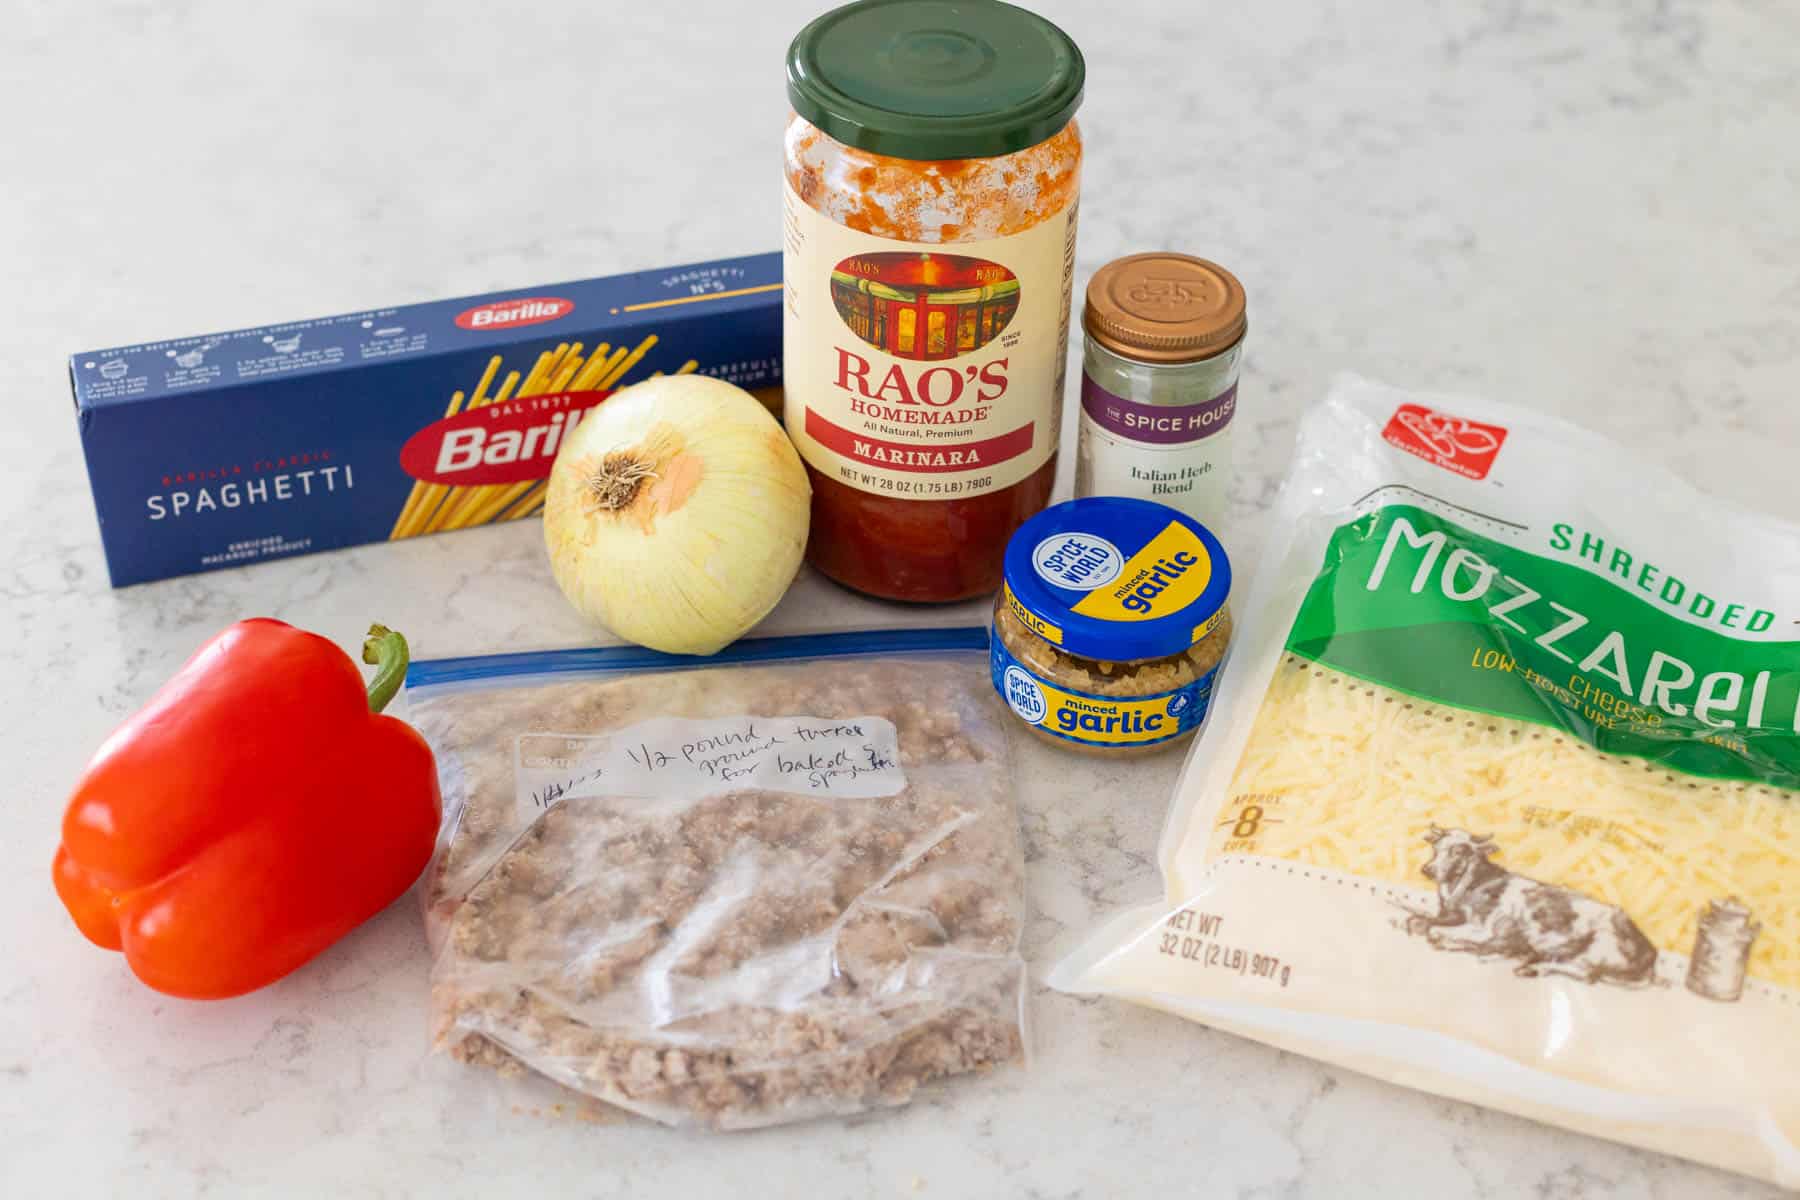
(855, 757)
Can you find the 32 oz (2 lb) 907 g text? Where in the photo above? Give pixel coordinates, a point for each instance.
(1207, 952)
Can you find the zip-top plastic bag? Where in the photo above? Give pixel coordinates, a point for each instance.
(781, 882)
(1498, 793)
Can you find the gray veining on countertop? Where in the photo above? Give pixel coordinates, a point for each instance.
(1588, 208)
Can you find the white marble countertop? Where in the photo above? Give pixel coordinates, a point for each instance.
(1590, 209)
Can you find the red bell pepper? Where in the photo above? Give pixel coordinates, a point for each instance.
(254, 812)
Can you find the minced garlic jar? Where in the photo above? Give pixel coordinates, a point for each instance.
(1111, 624)
(932, 171)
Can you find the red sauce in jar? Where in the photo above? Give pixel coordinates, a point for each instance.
(928, 293)
(920, 550)
(990, 306)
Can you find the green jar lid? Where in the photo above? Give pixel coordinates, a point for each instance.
(927, 79)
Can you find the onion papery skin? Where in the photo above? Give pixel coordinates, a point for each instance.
(676, 514)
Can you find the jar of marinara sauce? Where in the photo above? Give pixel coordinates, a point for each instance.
(933, 167)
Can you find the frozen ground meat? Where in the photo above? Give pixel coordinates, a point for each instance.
(734, 954)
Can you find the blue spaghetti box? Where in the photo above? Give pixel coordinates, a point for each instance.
(217, 451)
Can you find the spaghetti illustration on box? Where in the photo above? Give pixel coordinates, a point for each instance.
(488, 458)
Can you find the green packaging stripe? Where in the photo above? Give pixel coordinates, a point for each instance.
(1417, 603)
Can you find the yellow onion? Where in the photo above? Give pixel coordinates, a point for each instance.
(676, 513)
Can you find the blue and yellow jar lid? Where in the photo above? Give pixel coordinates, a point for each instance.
(1116, 579)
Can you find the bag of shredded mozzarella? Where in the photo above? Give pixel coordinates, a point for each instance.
(1500, 794)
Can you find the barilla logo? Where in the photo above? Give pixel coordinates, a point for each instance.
(1456, 444)
(507, 314)
(501, 443)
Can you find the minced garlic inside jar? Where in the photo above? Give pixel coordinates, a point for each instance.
(1111, 625)
(1130, 680)
(1144, 677)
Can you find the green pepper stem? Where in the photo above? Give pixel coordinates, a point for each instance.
(386, 651)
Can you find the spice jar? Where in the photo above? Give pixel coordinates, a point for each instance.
(932, 168)
(1159, 380)
(1111, 624)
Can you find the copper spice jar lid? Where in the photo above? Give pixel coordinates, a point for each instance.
(1164, 307)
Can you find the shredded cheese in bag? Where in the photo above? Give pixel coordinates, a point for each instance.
(1659, 844)
(1501, 793)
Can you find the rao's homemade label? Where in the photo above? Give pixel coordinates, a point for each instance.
(925, 371)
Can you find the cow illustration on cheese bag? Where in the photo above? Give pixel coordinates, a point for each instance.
(1487, 910)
